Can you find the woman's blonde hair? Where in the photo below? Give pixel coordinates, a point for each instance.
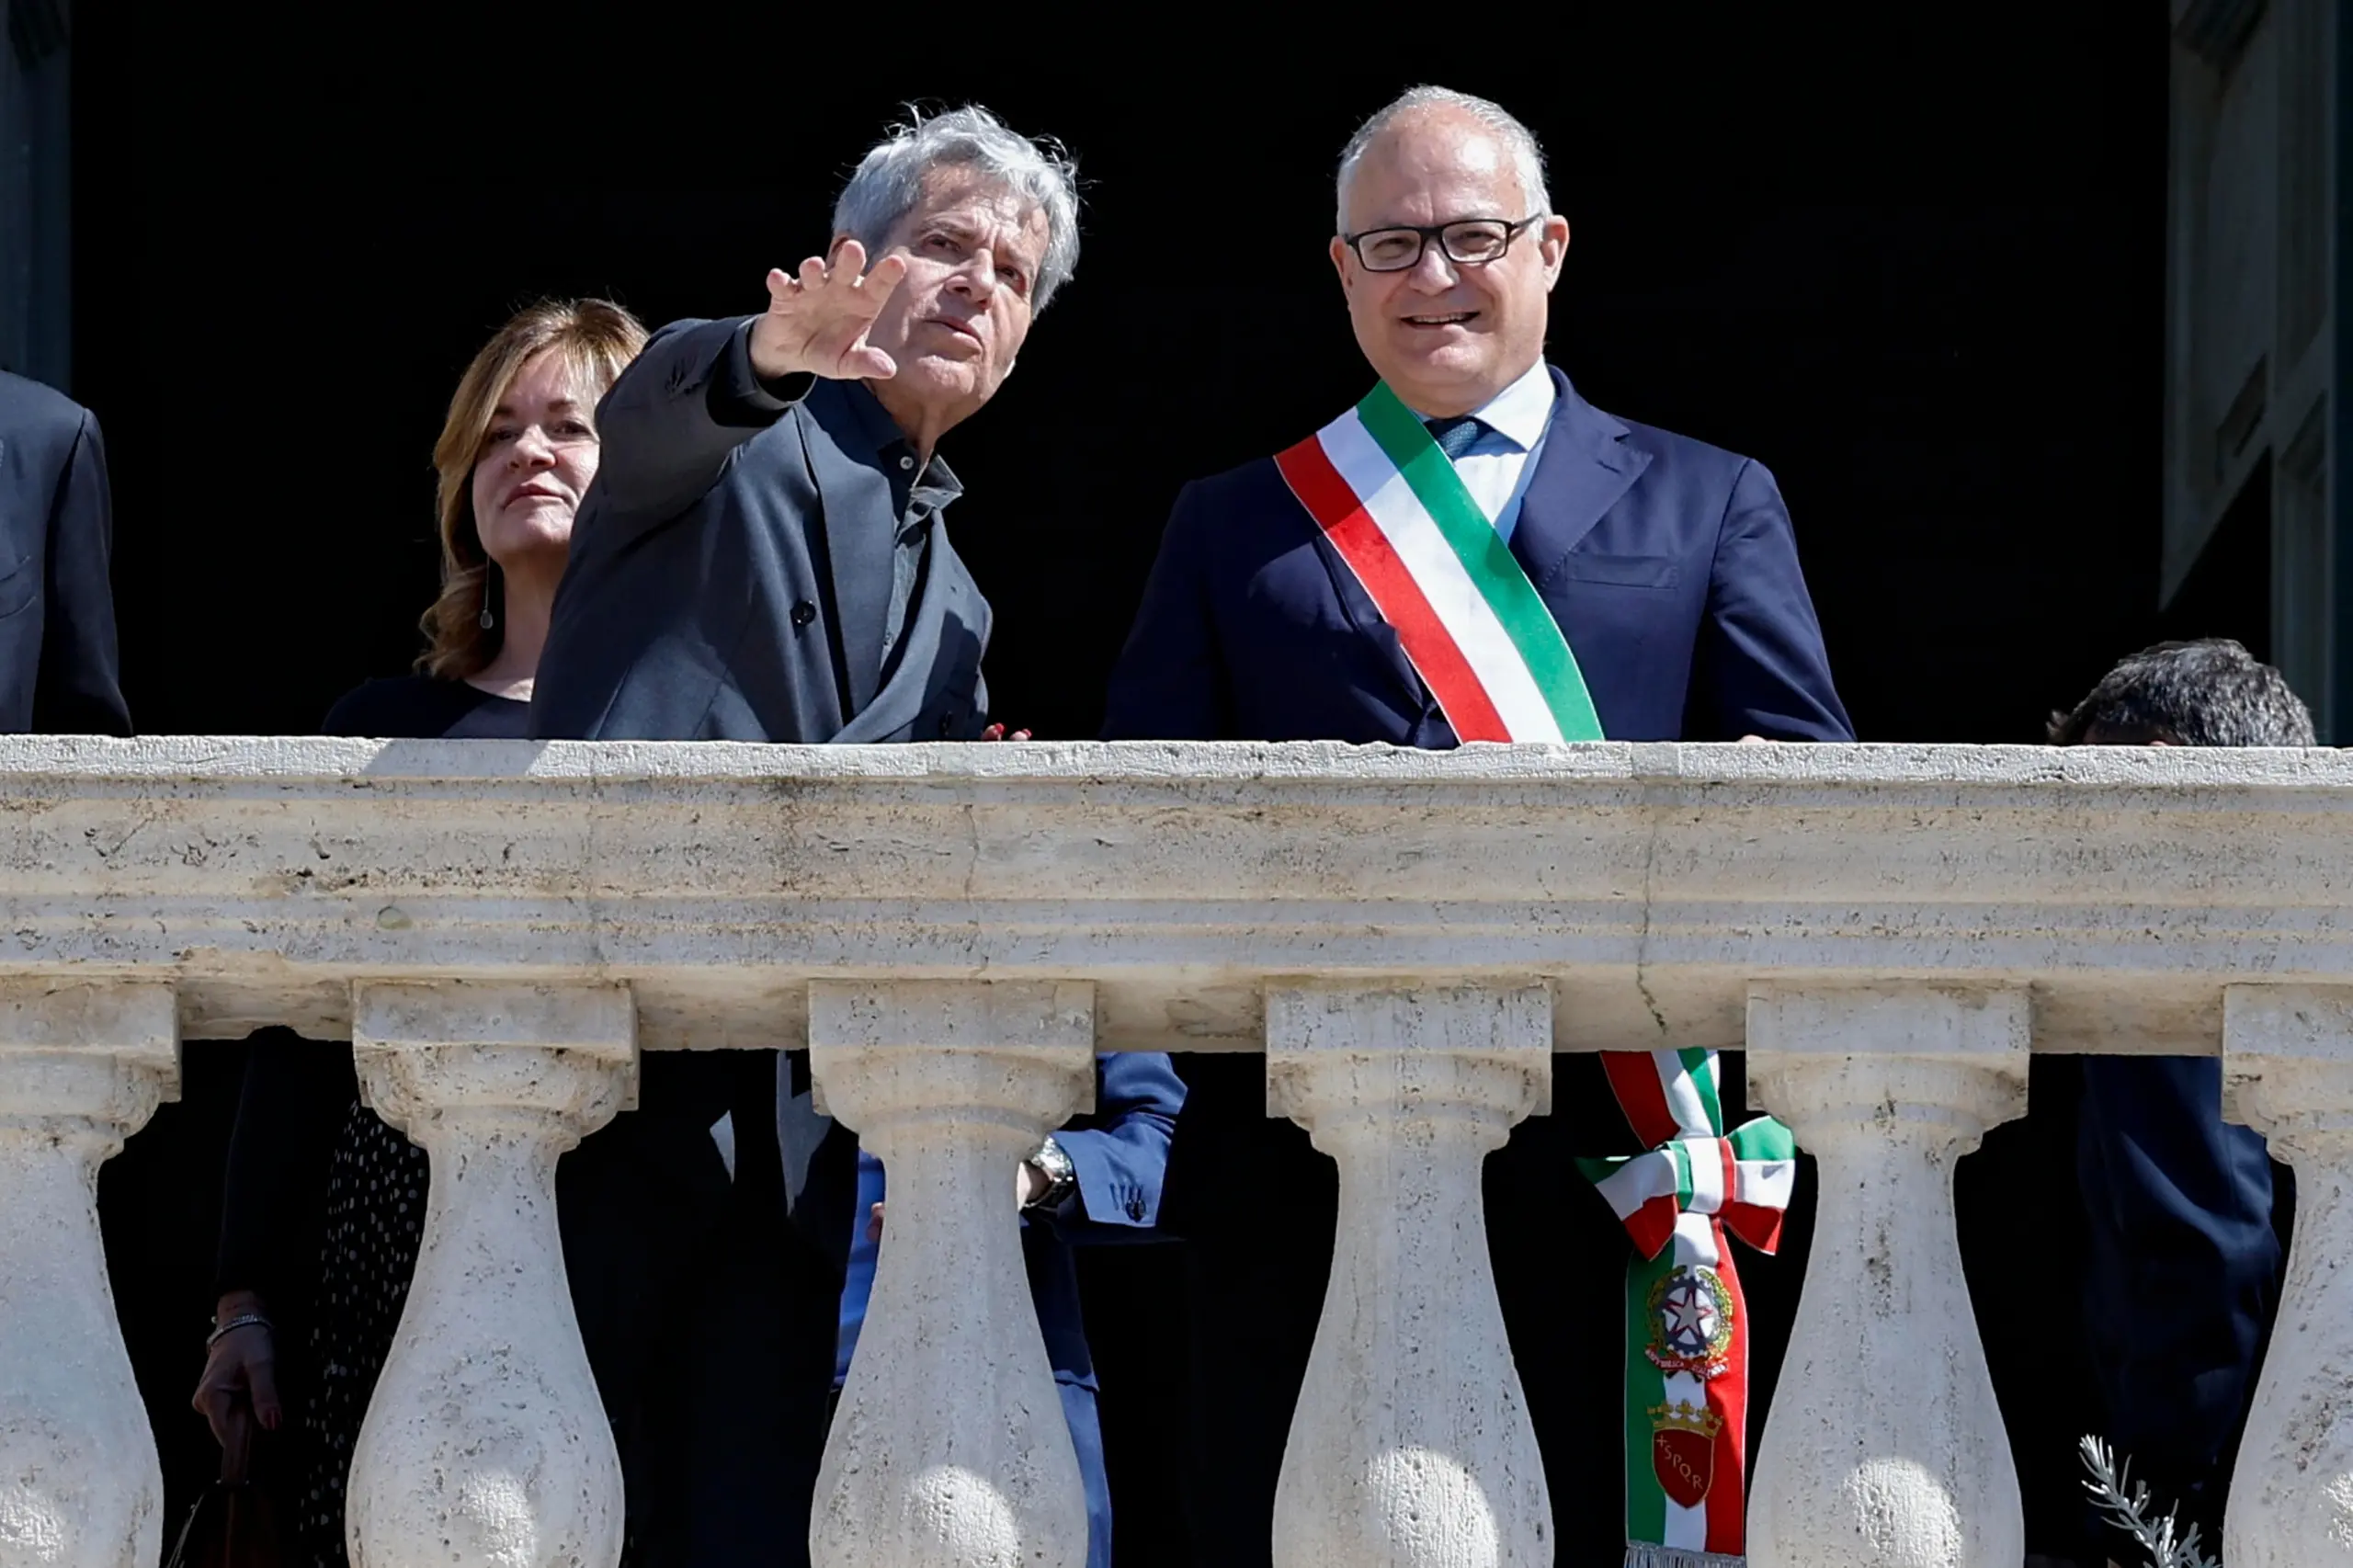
(598, 339)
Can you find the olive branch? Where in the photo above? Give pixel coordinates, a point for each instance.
(2127, 1506)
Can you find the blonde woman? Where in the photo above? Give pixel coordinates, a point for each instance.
(516, 455)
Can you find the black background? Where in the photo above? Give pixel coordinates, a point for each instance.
(1913, 264)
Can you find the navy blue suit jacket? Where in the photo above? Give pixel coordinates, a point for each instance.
(2183, 1274)
(1670, 567)
(57, 642)
(1668, 564)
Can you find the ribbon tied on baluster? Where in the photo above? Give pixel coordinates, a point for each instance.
(1744, 1179)
(1687, 1318)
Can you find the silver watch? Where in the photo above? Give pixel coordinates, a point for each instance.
(1061, 1176)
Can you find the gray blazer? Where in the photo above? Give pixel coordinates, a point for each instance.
(57, 645)
(730, 569)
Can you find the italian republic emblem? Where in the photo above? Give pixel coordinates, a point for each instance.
(1690, 1321)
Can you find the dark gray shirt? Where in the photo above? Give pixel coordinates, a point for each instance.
(918, 495)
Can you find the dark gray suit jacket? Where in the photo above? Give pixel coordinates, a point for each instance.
(730, 569)
(57, 648)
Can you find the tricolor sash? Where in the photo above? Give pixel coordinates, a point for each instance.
(1487, 647)
(1687, 1318)
(1469, 620)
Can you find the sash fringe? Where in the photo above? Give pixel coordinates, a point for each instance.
(1646, 1554)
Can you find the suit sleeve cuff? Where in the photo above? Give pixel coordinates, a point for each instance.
(1107, 1194)
(738, 393)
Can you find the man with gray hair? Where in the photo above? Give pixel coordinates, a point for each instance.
(762, 557)
(1474, 552)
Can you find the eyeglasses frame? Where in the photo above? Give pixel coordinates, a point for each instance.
(1425, 232)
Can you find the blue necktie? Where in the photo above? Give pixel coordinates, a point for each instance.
(1457, 433)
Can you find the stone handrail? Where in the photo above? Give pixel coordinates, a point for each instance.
(501, 928)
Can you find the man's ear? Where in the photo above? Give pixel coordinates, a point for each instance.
(1340, 261)
(1552, 241)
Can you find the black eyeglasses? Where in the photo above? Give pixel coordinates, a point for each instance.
(1467, 242)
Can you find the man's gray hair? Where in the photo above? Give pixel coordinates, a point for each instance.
(889, 182)
(2208, 693)
(1528, 159)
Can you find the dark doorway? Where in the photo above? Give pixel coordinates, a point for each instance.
(2227, 592)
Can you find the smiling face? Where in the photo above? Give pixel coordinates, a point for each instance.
(973, 249)
(537, 458)
(1446, 337)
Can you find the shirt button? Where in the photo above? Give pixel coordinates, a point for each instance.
(906, 462)
(803, 613)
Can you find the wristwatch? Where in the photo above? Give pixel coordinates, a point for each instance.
(1061, 1176)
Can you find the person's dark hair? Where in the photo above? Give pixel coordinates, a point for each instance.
(2211, 692)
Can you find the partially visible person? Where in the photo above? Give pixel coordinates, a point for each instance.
(57, 644)
(765, 557)
(517, 453)
(1094, 1182)
(2187, 1235)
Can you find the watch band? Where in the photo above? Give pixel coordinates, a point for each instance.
(1061, 1176)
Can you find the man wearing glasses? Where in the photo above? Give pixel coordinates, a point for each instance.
(1473, 552)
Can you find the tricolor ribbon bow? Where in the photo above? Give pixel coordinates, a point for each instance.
(1744, 1179)
(1686, 1321)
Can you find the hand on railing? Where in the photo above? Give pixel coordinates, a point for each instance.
(240, 1381)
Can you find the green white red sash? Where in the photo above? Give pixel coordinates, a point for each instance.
(1686, 1319)
(1469, 620)
(1477, 634)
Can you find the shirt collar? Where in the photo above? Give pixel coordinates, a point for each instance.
(883, 443)
(1521, 410)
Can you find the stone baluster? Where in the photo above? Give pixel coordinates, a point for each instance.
(485, 1445)
(82, 1067)
(2288, 1057)
(950, 1449)
(1410, 1445)
(1884, 1448)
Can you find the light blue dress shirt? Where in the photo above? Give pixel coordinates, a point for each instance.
(1497, 467)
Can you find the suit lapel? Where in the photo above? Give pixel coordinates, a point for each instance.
(1584, 467)
(856, 500)
(898, 704)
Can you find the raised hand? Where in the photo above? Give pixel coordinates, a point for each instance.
(817, 322)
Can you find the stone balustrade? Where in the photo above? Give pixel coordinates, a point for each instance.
(501, 928)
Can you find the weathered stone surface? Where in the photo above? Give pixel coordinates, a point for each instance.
(1912, 914)
(485, 1444)
(82, 1066)
(1649, 883)
(1411, 1446)
(1884, 1448)
(2288, 1052)
(950, 1449)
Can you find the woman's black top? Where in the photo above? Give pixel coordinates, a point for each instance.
(296, 1091)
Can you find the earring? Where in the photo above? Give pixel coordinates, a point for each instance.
(487, 620)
